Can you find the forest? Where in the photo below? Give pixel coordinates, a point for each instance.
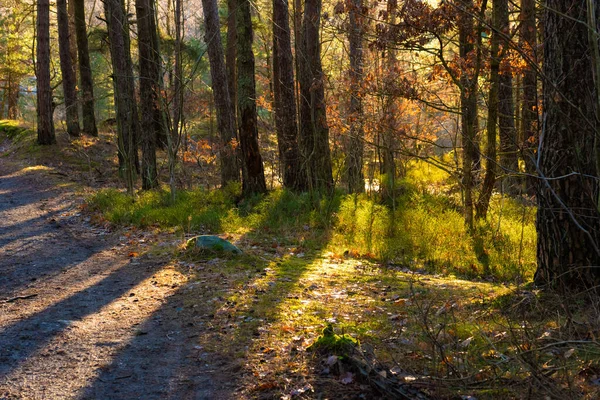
(344, 199)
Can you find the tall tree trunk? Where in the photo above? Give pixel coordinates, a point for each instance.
(285, 99)
(13, 89)
(230, 171)
(529, 113)
(314, 132)
(230, 55)
(568, 218)
(468, 105)
(509, 143)
(176, 130)
(85, 70)
(123, 86)
(45, 129)
(489, 181)
(354, 155)
(72, 38)
(390, 113)
(67, 68)
(254, 176)
(149, 90)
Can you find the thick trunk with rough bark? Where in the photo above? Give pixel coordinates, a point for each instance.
(253, 172)
(126, 109)
(354, 155)
(314, 131)
(230, 171)
(67, 68)
(149, 90)
(85, 70)
(285, 99)
(568, 220)
(529, 112)
(45, 129)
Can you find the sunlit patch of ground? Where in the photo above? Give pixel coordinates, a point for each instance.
(75, 356)
(444, 335)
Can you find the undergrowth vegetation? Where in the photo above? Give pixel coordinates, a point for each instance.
(425, 230)
(13, 130)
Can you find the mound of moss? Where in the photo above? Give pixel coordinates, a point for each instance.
(331, 342)
(13, 129)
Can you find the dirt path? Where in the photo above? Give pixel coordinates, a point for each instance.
(79, 319)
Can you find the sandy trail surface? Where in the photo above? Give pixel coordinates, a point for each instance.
(79, 318)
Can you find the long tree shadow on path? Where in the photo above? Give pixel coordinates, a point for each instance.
(206, 329)
(35, 242)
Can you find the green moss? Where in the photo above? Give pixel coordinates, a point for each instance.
(14, 130)
(331, 342)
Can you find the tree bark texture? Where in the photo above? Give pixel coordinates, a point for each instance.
(509, 144)
(72, 38)
(489, 180)
(150, 88)
(230, 171)
(568, 221)
(284, 94)
(314, 131)
(125, 104)
(67, 68)
(529, 111)
(85, 70)
(354, 155)
(253, 172)
(468, 105)
(230, 55)
(390, 112)
(12, 91)
(45, 129)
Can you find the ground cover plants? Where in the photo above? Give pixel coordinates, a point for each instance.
(342, 296)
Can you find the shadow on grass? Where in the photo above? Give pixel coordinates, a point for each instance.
(211, 311)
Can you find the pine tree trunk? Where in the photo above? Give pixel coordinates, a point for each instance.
(354, 157)
(509, 160)
(390, 113)
(85, 70)
(568, 220)
(314, 132)
(493, 110)
(230, 56)
(45, 129)
(253, 177)
(468, 105)
(529, 113)
(72, 38)
(285, 99)
(230, 171)
(126, 109)
(67, 69)
(13, 89)
(149, 90)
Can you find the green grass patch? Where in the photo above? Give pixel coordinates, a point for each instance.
(14, 130)
(424, 231)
